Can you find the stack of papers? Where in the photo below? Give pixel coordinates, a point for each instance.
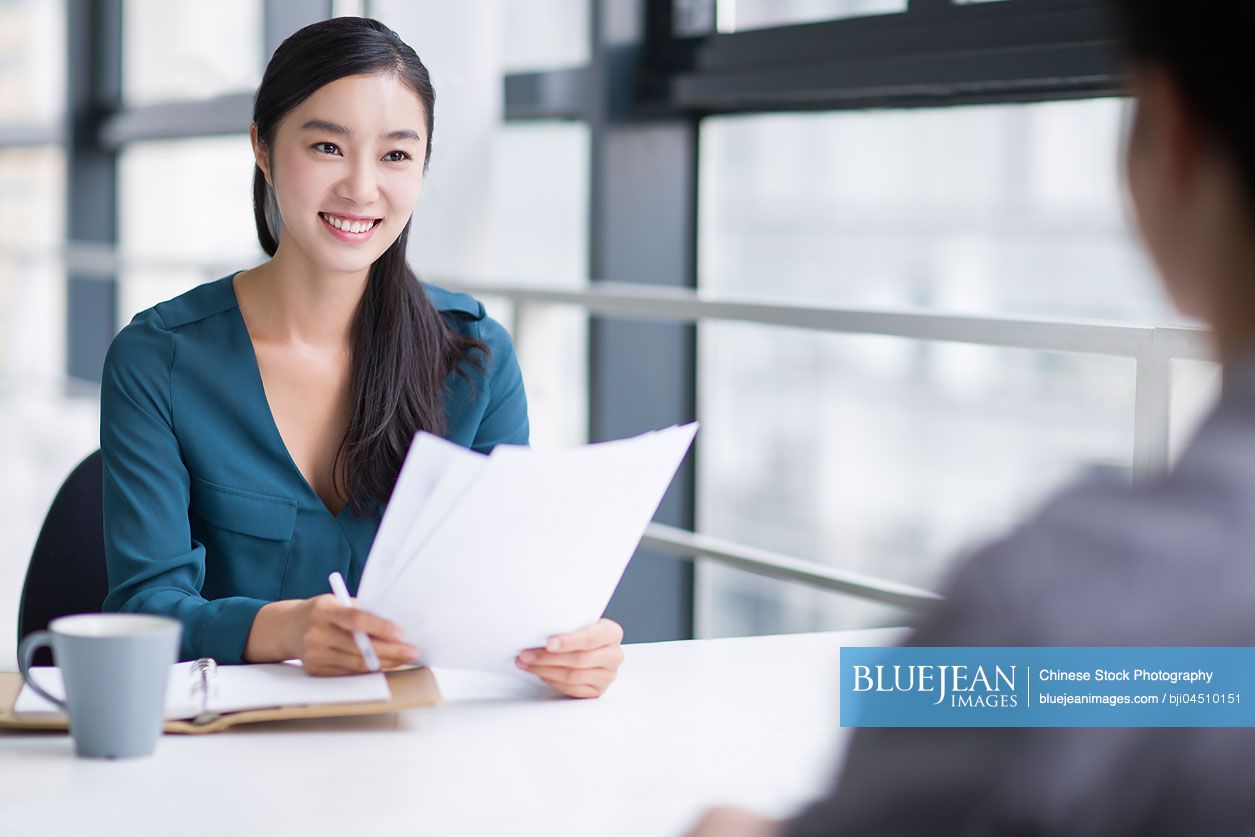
(478, 557)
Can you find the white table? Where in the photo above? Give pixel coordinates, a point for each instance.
(688, 724)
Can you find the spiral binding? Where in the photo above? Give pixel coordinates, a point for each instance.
(205, 682)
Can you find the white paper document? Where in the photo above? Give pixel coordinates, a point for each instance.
(478, 557)
(232, 688)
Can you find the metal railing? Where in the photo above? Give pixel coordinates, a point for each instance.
(1152, 348)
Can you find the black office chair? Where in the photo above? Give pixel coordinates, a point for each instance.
(67, 570)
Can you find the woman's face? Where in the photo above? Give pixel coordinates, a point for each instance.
(346, 167)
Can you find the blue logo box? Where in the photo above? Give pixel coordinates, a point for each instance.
(1048, 687)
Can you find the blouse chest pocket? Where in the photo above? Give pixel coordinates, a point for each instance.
(247, 537)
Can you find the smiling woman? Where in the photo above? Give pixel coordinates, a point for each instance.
(252, 429)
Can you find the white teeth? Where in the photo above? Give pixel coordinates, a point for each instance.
(347, 225)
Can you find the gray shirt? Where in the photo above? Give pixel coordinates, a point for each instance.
(1167, 562)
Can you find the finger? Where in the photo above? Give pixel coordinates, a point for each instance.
(577, 690)
(602, 632)
(556, 675)
(394, 653)
(609, 656)
(350, 619)
(320, 636)
(325, 635)
(581, 683)
(333, 662)
(389, 653)
(581, 691)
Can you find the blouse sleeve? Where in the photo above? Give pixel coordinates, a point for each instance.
(154, 565)
(505, 417)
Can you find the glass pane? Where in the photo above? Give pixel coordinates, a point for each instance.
(32, 280)
(1011, 209)
(528, 226)
(539, 221)
(350, 8)
(44, 429)
(884, 456)
(891, 456)
(177, 51)
(504, 204)
(186, 214)
(739, 15)
(544, 34)
(32, 72)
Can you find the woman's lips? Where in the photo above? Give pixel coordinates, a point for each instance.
(353, 230)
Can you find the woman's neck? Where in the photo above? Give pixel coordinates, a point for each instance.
(291, 300)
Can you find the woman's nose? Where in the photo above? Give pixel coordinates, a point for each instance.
(359, 185)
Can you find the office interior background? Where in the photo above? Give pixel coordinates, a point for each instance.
(880, 248)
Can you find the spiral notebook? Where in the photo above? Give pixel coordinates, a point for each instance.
(204, 697)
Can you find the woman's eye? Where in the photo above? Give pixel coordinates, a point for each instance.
(326, 147)
(396, 156)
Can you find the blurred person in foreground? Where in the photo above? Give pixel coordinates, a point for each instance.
(1166, 562)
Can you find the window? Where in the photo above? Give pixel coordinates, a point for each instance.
(44, 429)
(890, 456)
(544, 34)
(175, 51)
(1007, 209)
(32, 286)
(185, 214)
(740, 15)
(539, 223)
(32, 74)
(505, 204)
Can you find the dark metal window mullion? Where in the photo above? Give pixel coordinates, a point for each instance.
(93, 91)
(642, 226)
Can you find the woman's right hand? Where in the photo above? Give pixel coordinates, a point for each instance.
(326, 641)
(319, 632)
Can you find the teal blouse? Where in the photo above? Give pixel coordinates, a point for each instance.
(206, 516)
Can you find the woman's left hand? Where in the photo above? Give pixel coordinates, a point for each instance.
(582, 663)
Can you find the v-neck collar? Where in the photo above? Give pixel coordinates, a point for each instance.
(272, 425)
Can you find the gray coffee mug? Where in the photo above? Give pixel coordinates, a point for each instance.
(115, 667)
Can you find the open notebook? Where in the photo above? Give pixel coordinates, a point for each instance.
(207, 698)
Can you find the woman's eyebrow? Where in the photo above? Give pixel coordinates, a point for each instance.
(334, 128)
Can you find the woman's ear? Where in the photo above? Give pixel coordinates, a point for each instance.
(261, 154)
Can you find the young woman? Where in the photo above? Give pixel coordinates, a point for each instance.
(252, 429)
(1168, 562)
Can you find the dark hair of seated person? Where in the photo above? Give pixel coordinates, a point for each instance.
(1203, 45)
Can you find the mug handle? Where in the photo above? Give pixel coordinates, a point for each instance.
(31, 643)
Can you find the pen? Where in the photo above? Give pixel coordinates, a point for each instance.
(363, 641)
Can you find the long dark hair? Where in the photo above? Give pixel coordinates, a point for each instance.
(403, 350)
(1203, 47)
